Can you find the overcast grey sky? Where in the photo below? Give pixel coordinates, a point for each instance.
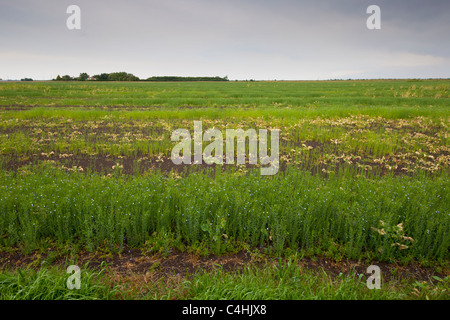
(243, 39)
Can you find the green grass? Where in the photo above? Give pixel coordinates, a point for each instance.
(50, 283)
(391, 99)
(282, 281)
(365, 176)
(288, 281)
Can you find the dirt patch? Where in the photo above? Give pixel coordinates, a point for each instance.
(18, 107)
(134, 262)
(126, 165)
(130, 165)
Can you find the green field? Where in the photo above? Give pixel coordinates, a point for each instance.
(363, 179)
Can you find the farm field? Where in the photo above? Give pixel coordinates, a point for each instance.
(87, 178)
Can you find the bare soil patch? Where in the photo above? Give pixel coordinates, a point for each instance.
(134, 262)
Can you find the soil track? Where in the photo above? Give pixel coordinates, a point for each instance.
(133, 262)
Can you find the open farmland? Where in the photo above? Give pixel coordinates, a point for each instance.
(87, 176)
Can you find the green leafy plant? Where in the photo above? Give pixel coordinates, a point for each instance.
(394, 235)
(216, 233)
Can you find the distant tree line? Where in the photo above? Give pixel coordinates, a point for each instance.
(175, 78)
(123, 76)
(114, 76)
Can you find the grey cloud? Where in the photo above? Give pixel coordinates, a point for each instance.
(260, 39)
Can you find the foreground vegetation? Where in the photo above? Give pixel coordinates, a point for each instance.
(386, 218)
(364, 174)
(280, 281)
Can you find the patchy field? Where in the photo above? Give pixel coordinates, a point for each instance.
(363, 179)
(318, 144)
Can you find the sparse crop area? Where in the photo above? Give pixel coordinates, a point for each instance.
(86, 177)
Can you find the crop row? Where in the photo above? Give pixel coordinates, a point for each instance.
(390, 217)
